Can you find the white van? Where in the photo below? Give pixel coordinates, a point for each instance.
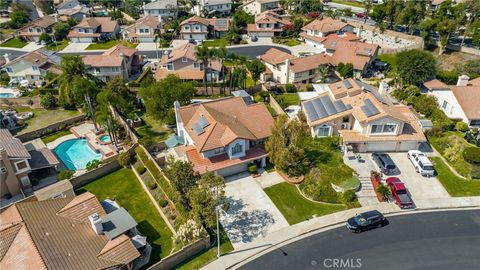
(421, 163)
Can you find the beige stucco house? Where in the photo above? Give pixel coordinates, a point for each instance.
(256, 7)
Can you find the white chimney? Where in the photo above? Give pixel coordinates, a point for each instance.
(358, 32)
(96, 223)
(287, 66)
(7, 58)
(383, 88)
(463, 80)
(178, 120)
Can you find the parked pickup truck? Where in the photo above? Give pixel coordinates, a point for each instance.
(399, 192)
(421, 163)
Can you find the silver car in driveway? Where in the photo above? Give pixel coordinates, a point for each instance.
(385, 164)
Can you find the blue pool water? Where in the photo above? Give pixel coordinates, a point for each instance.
(6, 95)
(76, 153)
(105, 138)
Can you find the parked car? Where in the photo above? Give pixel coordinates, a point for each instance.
(399, 192)
(422, 164)
(254, 38)
(365, 221)
(360, 15)
(385, 163)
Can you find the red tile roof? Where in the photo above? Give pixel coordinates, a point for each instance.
(469, 99)
(326, 25)
(435, 84)
(275, 56)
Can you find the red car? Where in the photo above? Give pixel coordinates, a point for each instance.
(399, 192)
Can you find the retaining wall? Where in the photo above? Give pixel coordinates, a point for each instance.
(49, 129)
(186, 252)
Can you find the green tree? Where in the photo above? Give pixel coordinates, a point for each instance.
(61, 30)
(160, 96)
(415, 66)
(285, 146)
(384, 191)
(256, 68)
(182, 176)
(204, 54)
(18, 18)
(4, 78)
(205, 198)
(72, 66)
(221, 53)
(124, 159)
(45, 38)
(48, 101)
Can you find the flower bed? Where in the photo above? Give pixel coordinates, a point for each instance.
(291, 180)
(376, 182)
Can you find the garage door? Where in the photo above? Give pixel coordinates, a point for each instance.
(381, 146)
(406, 146)
(233, 170)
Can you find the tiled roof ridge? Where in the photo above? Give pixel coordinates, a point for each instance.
(15, 226)
(82, 198)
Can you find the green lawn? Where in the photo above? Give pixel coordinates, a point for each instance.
(294, 207)
(348, 3)
(216, 42)
(455, 186)
(286, 41)
(123, 187)
(56, 135)
(14, 43)
(107, 45)
(153, 131)
(208, 255)
(287, 99)
(441, 143)
(57, 46)
(42, 118)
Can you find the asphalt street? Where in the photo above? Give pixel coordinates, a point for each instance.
(438, 240)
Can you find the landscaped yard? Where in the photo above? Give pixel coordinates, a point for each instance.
(216, 42)
(287, 99)
(348, 3)
(294, 207)
(56, 135)
(108, 44)
(205, 257)
(57, 46)
(153, 131)
(287, 41)
(441, 143)
(42, 118)
(455, 186)
(123, 187)
(14, 43)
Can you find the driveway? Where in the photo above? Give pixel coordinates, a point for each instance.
(251, 214)
(420, 187)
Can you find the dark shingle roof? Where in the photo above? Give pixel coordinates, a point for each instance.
(13, 146)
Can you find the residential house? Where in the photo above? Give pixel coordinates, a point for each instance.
(143, 30)
(199, 29)
(68, 232)
(255, 7)
(460, 101)
(161, 8)
(182, 62)
(93, 29)
(365, 119)
(37, 27)
(72, 9)
(209, 7)
(118, 61)
(285, 68)
(32, 66)
(360, 54)
(267, 24)
(223, 136)
(17, 163)
(317, 31)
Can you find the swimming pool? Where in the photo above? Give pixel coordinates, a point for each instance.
(7, 95)
(76, 153)
(105, 138)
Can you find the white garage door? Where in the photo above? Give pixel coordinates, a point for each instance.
(406, 146)
(233, 170)
(381, 146)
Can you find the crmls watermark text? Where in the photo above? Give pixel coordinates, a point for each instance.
(338, 263)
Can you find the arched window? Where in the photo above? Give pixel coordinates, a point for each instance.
(236, 149)
(323, 130)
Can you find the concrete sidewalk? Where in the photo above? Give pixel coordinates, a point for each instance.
(30, 47)
(295, 232)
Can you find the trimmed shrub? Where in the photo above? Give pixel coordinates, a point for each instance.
(461, 126)
(151, 184)
(163, 203)
(348, 196)
(252, 168)
(124, 159)
(472, 155)
(64, 175)
(141, 170)
(290, 88)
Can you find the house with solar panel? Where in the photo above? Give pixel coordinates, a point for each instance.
(199, 29)
(366, 120)
(222, 136)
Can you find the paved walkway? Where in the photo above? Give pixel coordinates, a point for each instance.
(268, 179)
(251, 214)
(31, 46)
(75, 47)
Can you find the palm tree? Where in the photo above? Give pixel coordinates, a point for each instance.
(384, 191)
(243, 61)
(204, 54)
(368, 6)
(221, 53)
(233, 59)
(324, 72)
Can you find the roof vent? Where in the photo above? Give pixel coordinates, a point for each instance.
(96, 223)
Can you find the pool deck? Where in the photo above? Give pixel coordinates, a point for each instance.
(87, 131)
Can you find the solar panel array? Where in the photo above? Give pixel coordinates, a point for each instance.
(347, 84)
(221, 23)
(322, 107)
(203, 122)
(369, 108)
(198, 129)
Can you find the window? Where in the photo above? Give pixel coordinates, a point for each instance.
(196, 65)
(376, 129)
(9, 70)
(219, 150)
(21, 166)
(80, 30)
(184, 59)
(323, 131)
(389, 128)
(169, 66)
(141, 31)
(197, 27)
(115, 69)
(445, 105)
(35, 68)
(186, 27)
(474, 122)
(237, 149)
